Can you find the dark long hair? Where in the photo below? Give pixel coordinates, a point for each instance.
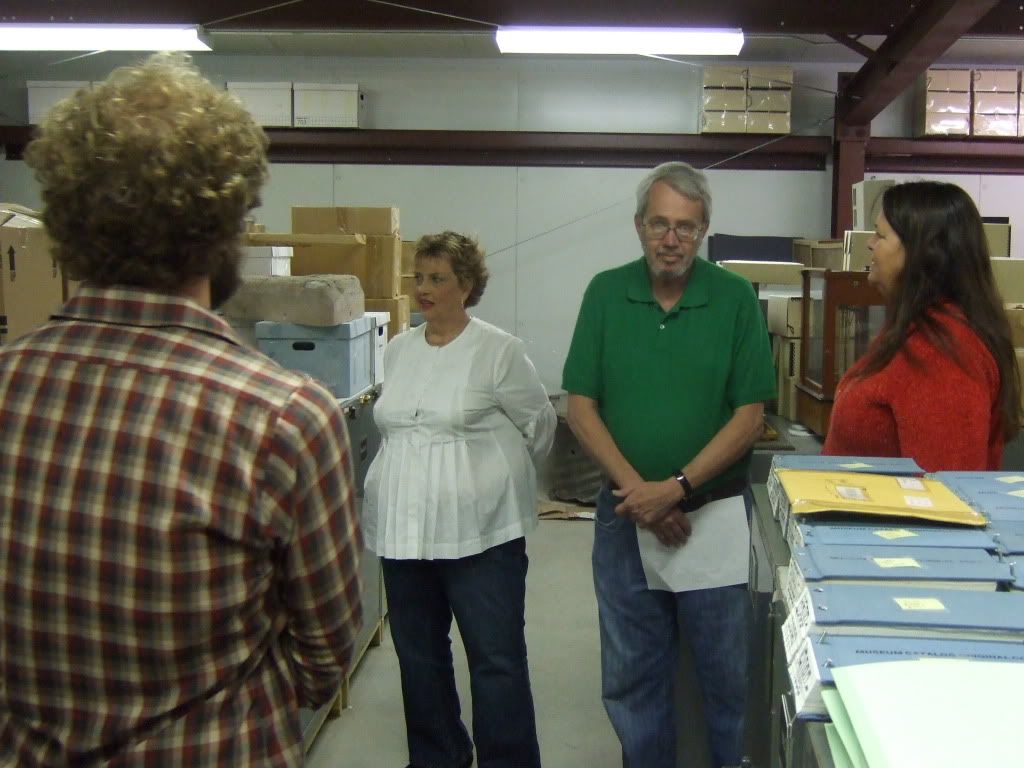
(947, 263)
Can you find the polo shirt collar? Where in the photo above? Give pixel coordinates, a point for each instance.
(125, 305)
(697, 294)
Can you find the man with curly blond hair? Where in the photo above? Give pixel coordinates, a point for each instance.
(180, 549)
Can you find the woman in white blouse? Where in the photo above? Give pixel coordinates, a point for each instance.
(464, 421)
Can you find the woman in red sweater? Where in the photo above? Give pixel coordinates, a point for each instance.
(940, 384)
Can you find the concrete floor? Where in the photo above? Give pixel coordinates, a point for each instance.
(563, 644)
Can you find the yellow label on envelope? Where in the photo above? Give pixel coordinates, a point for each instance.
(855, 465)
(896, 562)
(919, 604)
(894, 533)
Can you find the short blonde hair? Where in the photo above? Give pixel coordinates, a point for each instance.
(146, 179)
(463, 255)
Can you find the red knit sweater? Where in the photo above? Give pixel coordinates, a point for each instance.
(940, 413)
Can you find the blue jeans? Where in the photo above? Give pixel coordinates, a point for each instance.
(487, 595)
(640, 650)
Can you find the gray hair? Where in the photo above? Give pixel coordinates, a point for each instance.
(683, 178)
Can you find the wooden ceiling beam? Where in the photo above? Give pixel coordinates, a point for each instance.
(853, 44)
(930, 29)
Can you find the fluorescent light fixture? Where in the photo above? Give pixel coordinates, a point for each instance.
(620, 40)
(100, 37)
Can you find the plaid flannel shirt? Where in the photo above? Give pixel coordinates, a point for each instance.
(179, 547)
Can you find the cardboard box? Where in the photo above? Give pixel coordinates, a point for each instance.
(1004, 80)
(398, 308)
(773, 77)
(269, 104)
(942, 124)
(409, 289)
(994, 125)
(43, 96)
(766, 272)
(327, 105)
(350, 220)
(995, 104)
(725, 77)
(1009, 275)
(724, 100)
(785, 316)
(998, 237)
(769, 101)
(948, 80)
(408, 257)
(941, 101)
(823, 254)
(767, 122)
(787, 373)
(867, 202)
(855, 247)
(377, 264)
(1015, 314)
(723, 122)
(31, 283)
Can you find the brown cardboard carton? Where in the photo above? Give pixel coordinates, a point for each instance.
(366, 221)
(821, 254)
(377, 263)
(787, 369)
(399, 309)
(785, 315)
(408, 257)
(1009, 276)
(409, 289)
(1015, 314)
(31, 283)
(855, 244)
(998, 238)
(766, 272)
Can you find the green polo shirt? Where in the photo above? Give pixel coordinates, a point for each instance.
(667, 382)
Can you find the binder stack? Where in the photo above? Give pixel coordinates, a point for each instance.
(811, 670)
(933, 567)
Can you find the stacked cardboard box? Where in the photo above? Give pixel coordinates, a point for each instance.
(867, 201)
(746, 99)
(785, 317)
(377, 261)
(943, 103)
(856, 255)
(996, 102)
(31, 283)
(821, 254)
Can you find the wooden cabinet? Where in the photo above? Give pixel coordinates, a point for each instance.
(842, 313)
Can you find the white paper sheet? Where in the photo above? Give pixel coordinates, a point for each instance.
(717, 554)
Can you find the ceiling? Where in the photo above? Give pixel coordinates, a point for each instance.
(777, 30)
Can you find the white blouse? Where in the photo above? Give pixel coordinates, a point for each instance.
(463, 428)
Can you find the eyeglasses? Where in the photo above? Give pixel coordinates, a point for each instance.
(685, 232)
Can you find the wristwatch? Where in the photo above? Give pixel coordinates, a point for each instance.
(684, 481)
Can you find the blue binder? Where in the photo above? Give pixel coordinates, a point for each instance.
(811, 669)
(1008, 536)
(810, 531)
(948, 567)
(997, 495)
(879, 465)
(890, 610)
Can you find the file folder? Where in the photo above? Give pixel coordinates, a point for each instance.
(870, 495)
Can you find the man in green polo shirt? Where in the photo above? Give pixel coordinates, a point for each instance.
(667, 375)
